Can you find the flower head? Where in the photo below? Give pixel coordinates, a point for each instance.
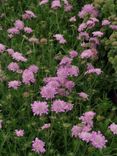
(38, 146)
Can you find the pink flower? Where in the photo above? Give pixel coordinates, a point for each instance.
(113, 27)
(69, 85)
(83, 35)
(43, 2)
(82, 27)
(67, 6)
(13, 31)
(73, 54)
(83, 95)
(94, 70)
(38, 146)
(65, 61)
(88, 9)
(88, 53)
(10, 51)
(48, 92)
(105, 22)
(98, 140)
(72, 19)
(19, 133)
(2, 48)
(46, 126)
(113, 128)
(55, 4)
(28, 15)
(13, 67)
(85, 136)
(14, 84)
(33, 68)
(76, 130)
(39, 108)
(28, 77)
(61, 106)
(60, 38)
(19, 24)
(28, 30)
(98, 34)
(1, 121)
(18, 57)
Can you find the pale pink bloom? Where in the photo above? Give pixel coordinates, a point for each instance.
(28, 15)
(43, 2)
(39, 108)
(113, 128)
(94, 40)
(90, 24)
(65, 61)
(76, 130)
(94, 19)
(19, 24)
(97, 71)
(88, 9)
(38, 146)
(10, 36)
(105, 22)
(28, 30)
(55, 4)
(85, 136)
(19, 133)
(48, 92)
(2, 48)
(14, 84)
(69, 85)
(10, 51)
(98, 34)
(46, 126)
(13, 31)
(83, 95)
(18, 57)
(60, 38)
(73, 54)
(113, 27)
(13, 66)
(83, 35)
(28, 77)
(88, 53)
(98, 140)
(82, 27)
(67, 6)
(33, 68)
(1, 121)
(72, 19)
(61, 106)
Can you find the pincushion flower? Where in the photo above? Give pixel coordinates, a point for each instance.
(38, 146)
(55, 4)
(28, 15)
(39, 108)
(43, 2)
(2, 48)
(88, 9)
(113, 128)
(83, 95)
(18, 57)
(10, 51)
(72, 19)
(48, 92)
(61, 106)
(73, 53)
(13, 31)
(113, 27)
(46, 126)
(60, 38)
(97, 71)
(67, 6)
(28, 30)
(98, 140)
(88, 53)
(13, 66)
(28, 77)
(85, 136)
(19, 133)
(19, 24)
(33, 68)
(82, 27)
(105, 22)
(76, 130)
(14, 84)
(98, 34)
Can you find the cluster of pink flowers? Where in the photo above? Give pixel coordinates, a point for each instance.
(84, 131)
(60, 38)
(61, 106)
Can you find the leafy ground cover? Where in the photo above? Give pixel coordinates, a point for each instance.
(58, 78)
